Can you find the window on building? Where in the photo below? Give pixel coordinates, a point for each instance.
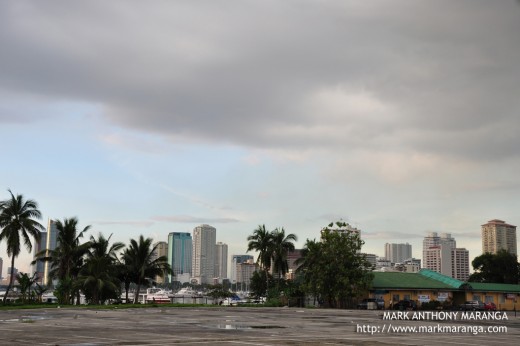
(502, 298)
(395, 297)
(476, 297)
(489, 299)
(406, 297)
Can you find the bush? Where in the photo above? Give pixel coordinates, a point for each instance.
(431, 305)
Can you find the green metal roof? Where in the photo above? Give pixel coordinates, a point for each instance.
(453, 283)
(385, 280)
(491, 287)
(428, 279)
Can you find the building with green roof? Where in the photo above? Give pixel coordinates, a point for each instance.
(427, 285)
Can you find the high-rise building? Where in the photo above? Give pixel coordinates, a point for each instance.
(498, 235)
(398, 253)
(50, 244)
(1, 267)
(292, 257)
(203, 261)
(38, 267)
(180, 247)
(441, 254)
(221, 264)
(245, 271)
(235, 261)
(161, 249)
(15, 272)
(460, 264)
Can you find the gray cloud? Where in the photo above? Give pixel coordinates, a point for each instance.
(435, 77)
(125, 223)
(193, 219)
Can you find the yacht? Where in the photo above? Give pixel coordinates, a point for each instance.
(187, 292)
(157, 296)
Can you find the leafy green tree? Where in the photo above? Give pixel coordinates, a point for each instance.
(259, 283)
(25, 283)
(143, 262)
(98, 277)
(17, 220)
(333, 269)
(217, 291)
(281, 244)
(502, 267)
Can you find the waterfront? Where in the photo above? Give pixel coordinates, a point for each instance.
(229, 326)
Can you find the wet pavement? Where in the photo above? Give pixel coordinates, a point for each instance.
(240, 326)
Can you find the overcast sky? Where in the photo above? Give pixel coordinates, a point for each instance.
(399, 117)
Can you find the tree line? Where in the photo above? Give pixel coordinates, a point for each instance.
(98, 268)
(331, 269)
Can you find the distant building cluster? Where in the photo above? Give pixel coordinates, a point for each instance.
(441, 254)
(199, 259)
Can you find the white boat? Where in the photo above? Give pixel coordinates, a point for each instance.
(157, 296)
(187, 292)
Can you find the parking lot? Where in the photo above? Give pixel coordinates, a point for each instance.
(233, 326)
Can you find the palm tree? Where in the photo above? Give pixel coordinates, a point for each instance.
(67, 258)
(17, 220)
(25, 282)
(261, 241)
(97, 277)
(281, 244)
(143, 262)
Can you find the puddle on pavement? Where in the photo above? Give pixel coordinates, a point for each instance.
(242, 326)
(25, 319)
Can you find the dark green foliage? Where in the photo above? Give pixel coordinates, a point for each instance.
(25, 283)
(259, 282)
(98, 276)
(272, 248)
(261, 241)
(17, 224)
(502, 267)
(142, 265)
(67, 258)
(333, 269)
(217, 292)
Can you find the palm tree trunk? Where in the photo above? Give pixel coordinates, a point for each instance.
(136, 298)
(127, 288)
(10, 281)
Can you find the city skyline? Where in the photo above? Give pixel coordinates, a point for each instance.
(399, 117)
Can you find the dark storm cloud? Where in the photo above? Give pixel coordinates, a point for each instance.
(432, 76)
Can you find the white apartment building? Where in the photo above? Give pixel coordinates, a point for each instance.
(398, 253)
(203, 261)
(221, 264)
(441, 254)
(460, 264)
(498, 235)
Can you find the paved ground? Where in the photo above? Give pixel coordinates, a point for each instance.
(233, 326)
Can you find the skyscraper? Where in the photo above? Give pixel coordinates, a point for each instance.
(398, 253)
(50, 244)
(161, 249)
(204, 245)
(497, 235)
(460, 264)
(180, 247)
(441, 254)
(38, 267)
(221, 261)
(1, 267)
